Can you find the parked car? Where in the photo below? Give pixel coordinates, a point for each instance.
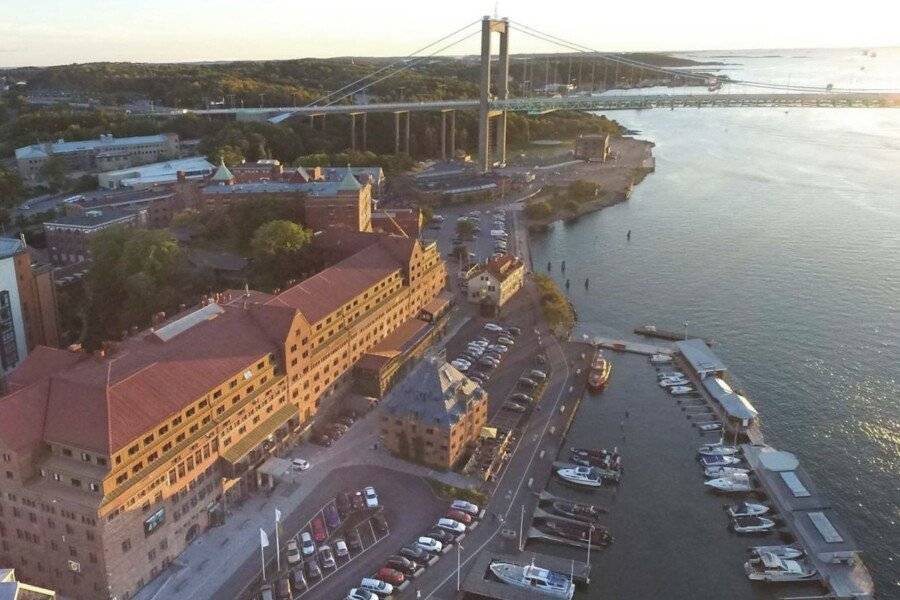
(514, 331)
(379, 523)
(307, 545)
(293, 553)
(358, 594)
(505, 340)
(429, 544)
(382, 588)
(522, 397)
(525, 382)
(283, 588)
(392, 576)
(371, 497)
(492, 327)
(353, 540)
(312, 570)
(513, 407)
(441, 535)
(493, 356)
(499, 348)
(326, 556)
(266, 593)
(340, 548)
(298, 579)
(476, 379)
(415, 554)
(332, 518)
(465, 506)
(452, 525)
(300, 464)
(489, 362)
(402, 564)
(460, 366)
(538, 375)
(317, 526)
(458, 515)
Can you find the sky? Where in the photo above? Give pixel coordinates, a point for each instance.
(46, 32)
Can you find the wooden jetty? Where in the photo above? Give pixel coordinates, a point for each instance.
(653, 331)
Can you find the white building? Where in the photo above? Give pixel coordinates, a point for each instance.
(496, 281)
(142, 177)
(13, 343)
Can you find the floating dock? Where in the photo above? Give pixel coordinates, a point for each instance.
(481, 583)
(663, 334)
(536, 534)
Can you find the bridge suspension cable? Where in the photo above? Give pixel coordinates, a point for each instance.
(402, 61)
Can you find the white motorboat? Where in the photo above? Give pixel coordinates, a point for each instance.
(674, 382)
(732, 484)
(780, 551)
(752, 524)
(535, 579)
(747, 509)
(769, 567)
(718, 450)
(586, 476)
(711, 426)
(715, 472)
(719, 461)
(659, 359)
(681, 390)
(670, 375)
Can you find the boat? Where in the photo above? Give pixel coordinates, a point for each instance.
(780, 551)
(681, 390)
(673, 382)
(535, 579)
(603, 460)
(747, 509)
(711, 426)
(715, 472)
(769, 567)
(593, 534)
(670, 375)
(717, 450)
(659, 359)
(734, 484)
(598, 376)
(719, 461)
(584, 476)
(579, 512)
(754, 524)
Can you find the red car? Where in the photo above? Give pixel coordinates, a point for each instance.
(392, 576)
(318, 529)
(458, 515)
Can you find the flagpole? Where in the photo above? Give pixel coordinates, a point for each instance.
(277, 543)
(262, 560)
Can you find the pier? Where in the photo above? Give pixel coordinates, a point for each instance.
(652, 331)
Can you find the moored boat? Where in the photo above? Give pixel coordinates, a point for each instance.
(719, 461)
(580, 512)
(659, 359)
(598, 376)
(747, 509)
(593, 534)
(731, 484)
(534, 578)
(718, 450)
(716, 472)
(583, 476)
(769, 567)
(752, 524)
(711, 426)
(779, 551)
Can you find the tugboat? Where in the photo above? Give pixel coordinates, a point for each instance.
(535, 579)
(583, 476)
(769, 567)
(599, 373)
(579, 512)
(595, 535)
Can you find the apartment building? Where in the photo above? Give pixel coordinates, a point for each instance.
(434, 415)
(106, 153)
(69, 236)
(493, 283)
(111, 463)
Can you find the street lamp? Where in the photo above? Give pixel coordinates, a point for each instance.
(458, 565)
(685, 329)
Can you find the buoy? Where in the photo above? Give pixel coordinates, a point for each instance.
(563, 266)
(549, 266)
(567, 284)
(587, 282)
(628, 235)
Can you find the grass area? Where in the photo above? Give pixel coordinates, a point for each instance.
(556, 307)
(451, 492)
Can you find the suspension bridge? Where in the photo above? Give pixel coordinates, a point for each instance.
(494, 101)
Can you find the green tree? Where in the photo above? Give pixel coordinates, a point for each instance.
(465, 229)
(538, 210)
(279, 252)
(55, 172)
(10, 187)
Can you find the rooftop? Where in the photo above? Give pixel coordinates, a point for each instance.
(501, 267)
(434, 393)
(102, 143)
(91, 218)
(314, 189)
(700, 357)
(162, 171)
(11, 246)
(735, 405)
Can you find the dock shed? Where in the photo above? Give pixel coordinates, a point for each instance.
(737, 408)
(702, 360)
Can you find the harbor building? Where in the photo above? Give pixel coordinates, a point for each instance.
(155, 174)
(69, 236)
(114, 461)
(106, 153)
(434, 415)
(28, 307)
(494, 282)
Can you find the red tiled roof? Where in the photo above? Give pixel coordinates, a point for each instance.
(501, 267)
(23, 412)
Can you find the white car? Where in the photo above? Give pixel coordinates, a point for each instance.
(460, 366)
(340, 548)
(429, 544)
(293, 553)
(538, 375)
(451, 525)
(493, 327)
(498, 348)
(382, 588)
(371, 497)
(463, 360)
(300, 464)
(358, 594)
(307, 544)
(466, 507)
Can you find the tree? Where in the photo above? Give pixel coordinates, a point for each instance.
(465, 229)
(582, 190)
(10, 187)
(54, 171)
(538, 210)
(279, 252)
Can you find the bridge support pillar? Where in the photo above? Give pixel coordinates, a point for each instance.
(352, 132)
(406, 135)
(443, 135)
(365, 147)
(396, 133)
(452, 134)
(488, 27)
(503, 94)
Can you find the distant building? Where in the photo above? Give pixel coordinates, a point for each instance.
(28, 309)
(69, 237)
(13, 589)
(493, 283)
(434, 415)
(398, 221)
(155, 174)
(107, 153)
(592, 147)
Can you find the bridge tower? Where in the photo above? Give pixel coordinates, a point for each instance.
(490, 26)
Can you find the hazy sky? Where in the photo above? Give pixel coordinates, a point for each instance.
(41, 32)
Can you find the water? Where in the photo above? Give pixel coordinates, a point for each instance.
(777, 234)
